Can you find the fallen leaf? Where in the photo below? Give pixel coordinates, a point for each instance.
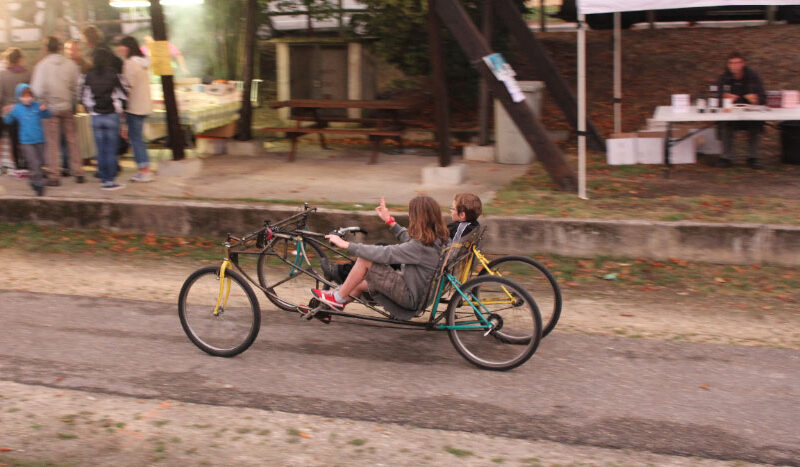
(304, 435)
(6, 449)
(611, 276)
(720, 280)
(705, 387)
(91, 242)
(625, 314)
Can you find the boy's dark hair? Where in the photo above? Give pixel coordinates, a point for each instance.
(736, 54)
(469, 204)
(52, 44)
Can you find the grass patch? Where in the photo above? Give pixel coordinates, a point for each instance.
(640, 192)
(357, 442)
(458, 452)
(67, 436)
(160, 423)
(243, 431)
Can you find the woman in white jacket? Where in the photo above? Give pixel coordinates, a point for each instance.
(137, 80)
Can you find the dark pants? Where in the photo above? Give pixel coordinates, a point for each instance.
(34, 155)
(727, 131)
(12, 130)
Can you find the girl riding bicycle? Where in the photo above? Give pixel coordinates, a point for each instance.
(418, 253)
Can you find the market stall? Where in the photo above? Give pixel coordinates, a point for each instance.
(202, 108)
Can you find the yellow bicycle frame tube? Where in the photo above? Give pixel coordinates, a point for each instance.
(476, 253)
(224, 285)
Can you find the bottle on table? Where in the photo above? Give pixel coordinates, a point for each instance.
(713, 98)
(701, 102)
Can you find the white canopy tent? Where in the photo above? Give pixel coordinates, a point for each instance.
(586, 7)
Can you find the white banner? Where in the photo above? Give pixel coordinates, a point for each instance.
(608, 6)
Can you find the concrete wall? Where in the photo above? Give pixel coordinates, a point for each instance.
(693, 241)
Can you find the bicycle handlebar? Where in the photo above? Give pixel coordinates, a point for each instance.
(341, 231)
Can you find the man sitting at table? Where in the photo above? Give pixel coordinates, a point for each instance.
(743, 86)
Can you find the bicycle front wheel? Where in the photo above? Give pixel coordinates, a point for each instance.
(223, 321)
(515, 324)
(535, 278)
(288, 270)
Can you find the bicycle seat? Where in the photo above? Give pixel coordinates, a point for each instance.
(398, 312)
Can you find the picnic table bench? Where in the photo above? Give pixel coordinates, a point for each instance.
(310, 110)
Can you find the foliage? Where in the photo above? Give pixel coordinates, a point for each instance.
(316, 9)
(401, 30)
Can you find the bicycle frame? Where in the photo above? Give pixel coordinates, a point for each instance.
(235, 246)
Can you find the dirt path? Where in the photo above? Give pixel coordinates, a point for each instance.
(42, 425)
(650, 315)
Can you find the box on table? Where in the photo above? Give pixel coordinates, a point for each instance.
(790, 99)
(621, 149)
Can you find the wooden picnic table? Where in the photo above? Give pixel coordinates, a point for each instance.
(387, 124)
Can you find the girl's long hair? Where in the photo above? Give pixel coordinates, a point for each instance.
(425, 223)
(132, 45)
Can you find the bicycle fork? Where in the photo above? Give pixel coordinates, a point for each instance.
(224, 288)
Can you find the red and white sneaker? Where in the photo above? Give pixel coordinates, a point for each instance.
(327, 298)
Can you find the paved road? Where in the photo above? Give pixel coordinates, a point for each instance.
(710, 401)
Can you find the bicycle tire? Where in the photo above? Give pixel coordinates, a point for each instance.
(280, 296)
(545, 290)
(494, 350)
(197, 301)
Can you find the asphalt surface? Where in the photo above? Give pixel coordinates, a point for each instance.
(711, 401)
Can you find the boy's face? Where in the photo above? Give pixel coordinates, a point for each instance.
(26, 98)
(457, 216)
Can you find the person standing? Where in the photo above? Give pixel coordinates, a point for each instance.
(102, 94)
(11, 76)
(743, 86)
(54, 81)
(93, 37)
(29, 114)
(72, 51)
(140, 105)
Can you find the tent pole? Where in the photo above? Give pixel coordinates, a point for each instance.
(582, 107)
(617, 72)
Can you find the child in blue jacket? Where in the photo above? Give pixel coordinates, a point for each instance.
(29, 114)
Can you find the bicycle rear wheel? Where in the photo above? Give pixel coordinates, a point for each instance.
(516, 324)
(236, 324)
(288, 272)
(535, 278)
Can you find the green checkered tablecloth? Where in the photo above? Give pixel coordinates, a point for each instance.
(202, 117)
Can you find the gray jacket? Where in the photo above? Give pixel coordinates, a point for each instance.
(418, 261)
(9, 79)
(55, 81)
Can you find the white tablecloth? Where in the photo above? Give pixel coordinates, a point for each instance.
(667, 114)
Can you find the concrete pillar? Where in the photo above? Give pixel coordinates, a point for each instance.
(284, 79)
(511, 147)
(354, 69)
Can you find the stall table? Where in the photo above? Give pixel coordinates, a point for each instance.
(670, 116)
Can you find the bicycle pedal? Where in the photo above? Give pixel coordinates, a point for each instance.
(324, 316)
